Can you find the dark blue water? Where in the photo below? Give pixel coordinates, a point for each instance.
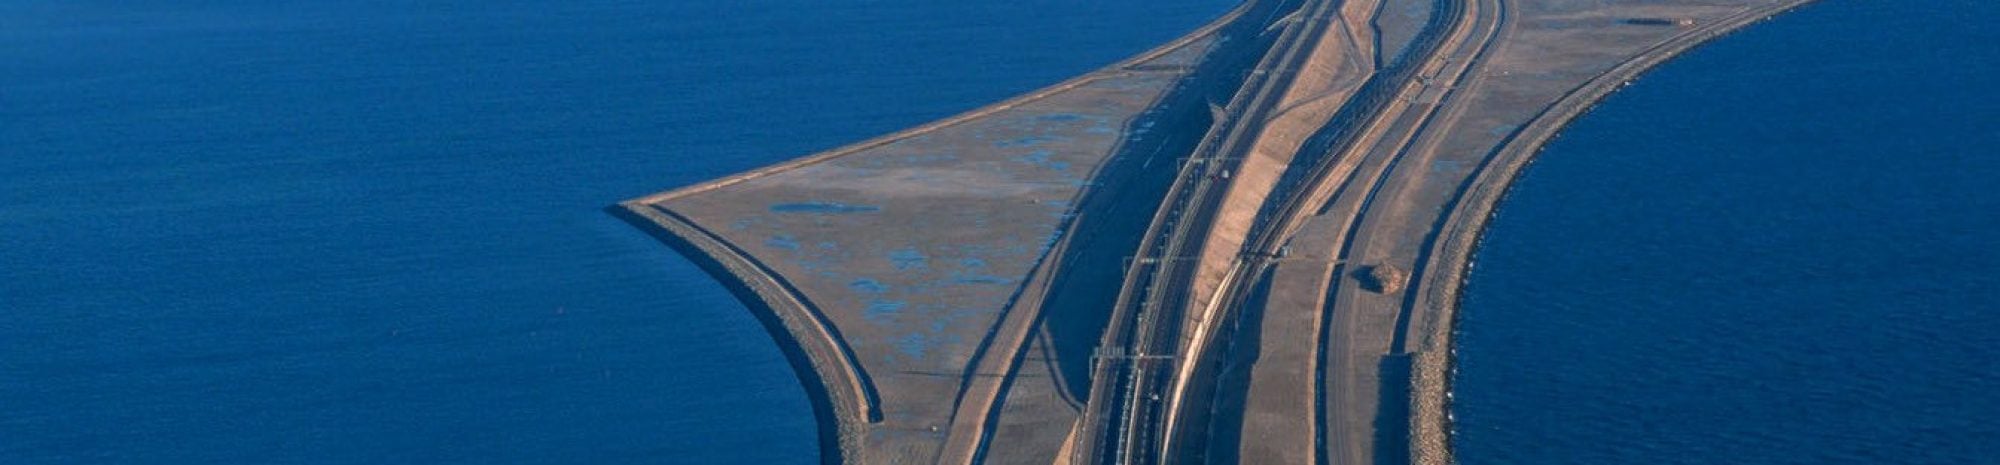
(360, 232)
(1783, 248)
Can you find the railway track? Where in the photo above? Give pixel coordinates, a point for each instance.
(1128, 387)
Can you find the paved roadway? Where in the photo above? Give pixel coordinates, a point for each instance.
(1132, 427)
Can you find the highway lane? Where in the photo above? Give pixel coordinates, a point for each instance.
(1362, 323)
(1357, 336)
(1386, 113)
(1363, 141)
(1140, 402)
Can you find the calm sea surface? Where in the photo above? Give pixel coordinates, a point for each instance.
(1783, 248)
(363, 232)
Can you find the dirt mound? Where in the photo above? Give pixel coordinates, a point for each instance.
(1386, 279)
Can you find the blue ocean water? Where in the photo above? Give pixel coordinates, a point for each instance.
(360, 232)
(1782, 248)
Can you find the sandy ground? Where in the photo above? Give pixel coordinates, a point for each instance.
(904, 274)
(941, 290)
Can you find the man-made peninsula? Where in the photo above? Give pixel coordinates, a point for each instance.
(1242, 246)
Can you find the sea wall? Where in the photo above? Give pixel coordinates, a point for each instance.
(841, 399)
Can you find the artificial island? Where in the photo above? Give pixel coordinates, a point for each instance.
(1242, 246)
